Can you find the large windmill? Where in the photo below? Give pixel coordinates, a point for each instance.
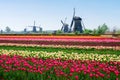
(65, 27)
(76, 23)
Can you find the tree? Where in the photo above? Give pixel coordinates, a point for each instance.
(118, 31)
(59, 32)
(8, 29)
(99, 30)
(1, 31)
(94, 31)
(102, 29)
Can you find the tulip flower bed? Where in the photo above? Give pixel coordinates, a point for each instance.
(20, 68)
(63, 55)
(71, 41)
(61, 46)
(59, 58)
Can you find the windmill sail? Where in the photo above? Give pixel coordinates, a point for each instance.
(72, 20)
(83, 25)
(64, 28)
(71, 25)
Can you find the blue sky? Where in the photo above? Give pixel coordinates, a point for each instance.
(18, 14)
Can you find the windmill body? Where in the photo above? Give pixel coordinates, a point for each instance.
(40, 29)
(66, 29)
(25, 30)
(77, 24)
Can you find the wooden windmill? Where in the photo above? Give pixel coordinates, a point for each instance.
(65, 27)
(35, 28)
(76, 23)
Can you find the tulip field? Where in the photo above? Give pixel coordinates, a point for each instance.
(59, 58)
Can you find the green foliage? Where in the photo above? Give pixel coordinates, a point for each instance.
(118, 31)
(77, 32)
(101, 29)
(104, 28)
(59, 32)
(87, 31)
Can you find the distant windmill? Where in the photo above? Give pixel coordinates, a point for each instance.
(40, 29)
(25, 29)
(65, 27)
(78, 24)
(35, 28)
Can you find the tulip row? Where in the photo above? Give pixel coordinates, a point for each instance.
(61, 46)
(52, 42)
(66, 39)
(63, 38)
(20, 68)
(62, 55)
(61, 49)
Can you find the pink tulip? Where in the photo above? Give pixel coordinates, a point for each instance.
(76, 78)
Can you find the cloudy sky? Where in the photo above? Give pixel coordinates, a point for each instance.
(18, 14)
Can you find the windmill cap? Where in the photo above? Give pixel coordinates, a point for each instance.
(77, 18)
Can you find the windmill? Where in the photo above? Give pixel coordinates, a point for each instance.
(40, 29)
(25, 30)
(78, 24)
(35, 28)
(65, 27)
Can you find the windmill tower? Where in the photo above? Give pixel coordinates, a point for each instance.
(65, 27)
(76, 23)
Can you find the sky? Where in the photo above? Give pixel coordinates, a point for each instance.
(19, 14)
